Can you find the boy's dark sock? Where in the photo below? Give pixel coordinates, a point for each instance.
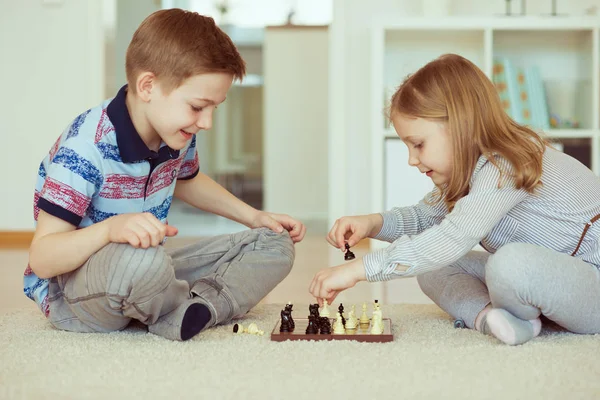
(194, 320)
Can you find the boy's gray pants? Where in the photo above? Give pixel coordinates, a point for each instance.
(525, 280)
(228, 273)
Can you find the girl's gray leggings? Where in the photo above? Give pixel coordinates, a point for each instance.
(524, 279)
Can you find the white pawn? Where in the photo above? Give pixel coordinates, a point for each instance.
(253, 330)
(338, 326)
(324, 312)
(351, 321)
(364, 319)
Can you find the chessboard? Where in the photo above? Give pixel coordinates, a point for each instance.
(361, 333)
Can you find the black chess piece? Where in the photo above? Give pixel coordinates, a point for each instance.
(313, 309)
(341, 310)
(325, 326)
(288, 307)
(348, 255)
(312, 328)
(285, 321)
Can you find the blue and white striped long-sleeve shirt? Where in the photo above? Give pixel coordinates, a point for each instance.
(426, 237)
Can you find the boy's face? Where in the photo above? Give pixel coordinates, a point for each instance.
(429, 146)
(178, 116)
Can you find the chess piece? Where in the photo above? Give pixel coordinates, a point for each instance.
(353, 314)
(377, 321)
(364, 319)
(289, 307)
(325, 325)
(325, 309)
(311, 329)
(313, 309)
(376, 326)
(341, 310)
(348, 255)
(352, 321)
(377, 315)
(238, 328)
(338, 327)
(285, 321)
(253, 330)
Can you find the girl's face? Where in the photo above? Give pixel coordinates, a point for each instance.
(429, 146)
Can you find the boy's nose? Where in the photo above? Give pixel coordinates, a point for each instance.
(413, 161)
(204, 122)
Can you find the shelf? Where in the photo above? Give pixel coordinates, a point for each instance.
(552, 133)
(500, 22)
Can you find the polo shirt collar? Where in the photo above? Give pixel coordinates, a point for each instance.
(131, 146)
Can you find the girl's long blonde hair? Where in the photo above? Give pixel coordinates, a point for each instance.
(453, 90)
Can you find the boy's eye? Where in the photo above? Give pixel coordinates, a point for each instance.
(418, 145)
(196, 109)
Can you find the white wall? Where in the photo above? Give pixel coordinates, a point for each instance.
(129, 15)
(295, 120)
(52, 69)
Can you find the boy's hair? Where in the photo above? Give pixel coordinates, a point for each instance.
(453, 90)
(175, 45)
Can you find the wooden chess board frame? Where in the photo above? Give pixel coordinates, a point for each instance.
(361, 334)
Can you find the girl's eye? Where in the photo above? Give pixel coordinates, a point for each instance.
(196, 109)
(418, 146)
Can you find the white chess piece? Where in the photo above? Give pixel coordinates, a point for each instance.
(364, 319)
(338, 326)
(376, 326)
(253, 330)
(353, 314)
(351, 320)
(324, 312)
(377, 322)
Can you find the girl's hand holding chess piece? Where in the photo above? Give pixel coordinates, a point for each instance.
(354, 228)
(328, 283)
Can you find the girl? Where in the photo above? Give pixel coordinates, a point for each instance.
(497, 184)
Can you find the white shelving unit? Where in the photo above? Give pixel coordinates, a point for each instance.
(565, 49)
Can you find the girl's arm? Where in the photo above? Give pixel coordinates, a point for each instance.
(412, 220)
(472, 218)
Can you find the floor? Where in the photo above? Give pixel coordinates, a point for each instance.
(312, 255)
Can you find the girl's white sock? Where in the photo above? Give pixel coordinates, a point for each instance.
(508, 328)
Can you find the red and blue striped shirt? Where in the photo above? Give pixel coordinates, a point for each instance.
(100, 167)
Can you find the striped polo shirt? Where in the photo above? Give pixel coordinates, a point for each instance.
(100, 167)
(426, 237)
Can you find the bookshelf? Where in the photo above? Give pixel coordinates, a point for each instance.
(566, 51)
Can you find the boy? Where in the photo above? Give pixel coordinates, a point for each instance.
(104, 191)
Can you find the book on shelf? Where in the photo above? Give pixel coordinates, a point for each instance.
(522, 93)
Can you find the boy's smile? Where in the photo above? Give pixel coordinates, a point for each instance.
(175, 117)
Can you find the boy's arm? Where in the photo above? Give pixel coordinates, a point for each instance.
(412, 220)
(204, 193)
(58, 248)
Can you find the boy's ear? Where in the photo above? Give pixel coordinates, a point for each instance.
(144, 85)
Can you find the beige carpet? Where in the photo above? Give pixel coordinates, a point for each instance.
(429, 359)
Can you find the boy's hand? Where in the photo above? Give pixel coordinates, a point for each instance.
(329, 282)
(353, 229)
(279, 222)
(139, 230)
